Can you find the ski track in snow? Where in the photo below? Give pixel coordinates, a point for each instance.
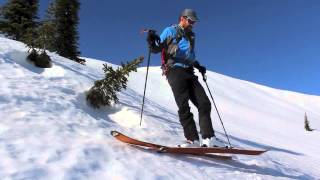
(47, 130)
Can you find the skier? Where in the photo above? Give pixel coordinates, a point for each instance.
(176, 44)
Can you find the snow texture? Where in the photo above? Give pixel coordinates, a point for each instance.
(47, 130)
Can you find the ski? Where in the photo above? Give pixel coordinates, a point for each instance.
(157, 148)
(178, 150)
(126, 139)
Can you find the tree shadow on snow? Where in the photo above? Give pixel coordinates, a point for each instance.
(164, 118)
(76, 68)
(101, 115)
(127, 99)
(130, 96)
(20, 57)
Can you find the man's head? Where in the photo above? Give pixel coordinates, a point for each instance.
(187, 18)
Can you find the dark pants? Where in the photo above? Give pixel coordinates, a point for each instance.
(185, 86)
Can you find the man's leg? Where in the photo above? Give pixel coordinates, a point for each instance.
(180, 84)
(200, 99)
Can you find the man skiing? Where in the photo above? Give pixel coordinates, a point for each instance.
(176, 44)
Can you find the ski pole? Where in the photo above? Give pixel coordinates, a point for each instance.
(145, 86)
(225, 132)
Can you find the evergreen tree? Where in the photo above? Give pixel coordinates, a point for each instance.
(33, 55)
(2, 20)
(66, 22)
(103, 93)
(306, 123)
(19, 18)
(30, 38)
(47, 30)
(43, 60)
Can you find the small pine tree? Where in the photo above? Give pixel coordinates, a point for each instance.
(33, 55)
(19, 18)
(103, 93)
(45, 38)
(306, 123)
(30, 39)
(43, 60)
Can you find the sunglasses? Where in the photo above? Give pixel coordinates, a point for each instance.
(189, 20)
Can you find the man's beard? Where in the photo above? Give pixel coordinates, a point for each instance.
(189, 28)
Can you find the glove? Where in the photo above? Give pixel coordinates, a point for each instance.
(153, 39)
(201, 69)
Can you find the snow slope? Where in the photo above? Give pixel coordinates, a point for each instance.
(47, 131)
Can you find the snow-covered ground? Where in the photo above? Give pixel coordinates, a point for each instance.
(47, 130)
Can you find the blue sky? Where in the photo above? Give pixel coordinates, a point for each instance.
(274, 43)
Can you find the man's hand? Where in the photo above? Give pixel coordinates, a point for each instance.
(153, 39)
(201, 69)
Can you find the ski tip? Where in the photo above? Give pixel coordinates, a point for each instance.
(114, 133)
